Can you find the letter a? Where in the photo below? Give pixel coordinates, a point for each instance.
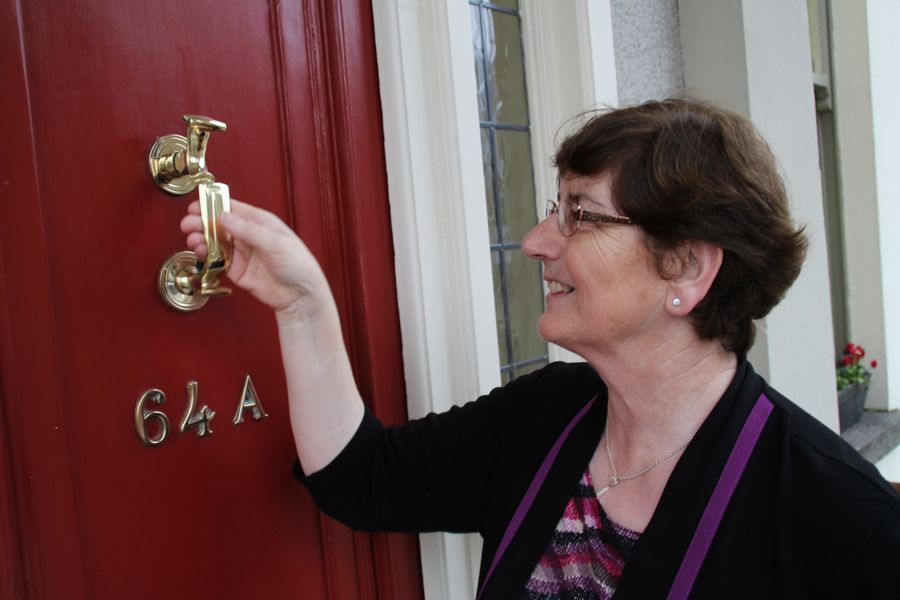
(249, 400)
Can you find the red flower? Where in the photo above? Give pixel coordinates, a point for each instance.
(846, 360)
(874, 363)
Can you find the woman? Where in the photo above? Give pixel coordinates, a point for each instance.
(670, 234)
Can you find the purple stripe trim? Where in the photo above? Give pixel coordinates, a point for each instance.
(531, 493)
(718, 502)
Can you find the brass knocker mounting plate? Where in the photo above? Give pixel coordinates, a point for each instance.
(179, 282)
(168, 155)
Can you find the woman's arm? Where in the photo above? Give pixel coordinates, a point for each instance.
(274, 265)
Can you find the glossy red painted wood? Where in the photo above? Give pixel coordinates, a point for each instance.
(43, 511)
(87, 88)
(354, 242)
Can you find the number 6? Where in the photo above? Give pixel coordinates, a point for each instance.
(142, 415)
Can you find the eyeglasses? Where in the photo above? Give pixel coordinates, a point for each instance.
(571, 215)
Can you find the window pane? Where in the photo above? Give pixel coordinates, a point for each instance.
(489, 183)
(526, 303)
(516, 184)
(478, 47)
(508, 4)
(509, 183)
(514, 4)
(532, 367)
(505, 71)
(498, 307)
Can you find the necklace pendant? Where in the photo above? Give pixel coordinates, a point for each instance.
(613, 482)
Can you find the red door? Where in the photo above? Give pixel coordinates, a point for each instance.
(86, 509)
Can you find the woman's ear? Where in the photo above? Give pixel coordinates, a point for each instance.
(699, 263)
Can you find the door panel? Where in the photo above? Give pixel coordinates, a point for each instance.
(94, 512)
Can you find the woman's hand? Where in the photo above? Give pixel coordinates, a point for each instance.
(269, 260)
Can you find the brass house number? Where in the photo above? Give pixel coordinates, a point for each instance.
(192, 417)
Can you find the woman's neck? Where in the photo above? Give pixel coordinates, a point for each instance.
(661, 393)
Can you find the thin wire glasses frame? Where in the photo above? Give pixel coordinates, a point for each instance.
(571, 215)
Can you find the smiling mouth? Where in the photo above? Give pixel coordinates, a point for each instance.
(556, 287)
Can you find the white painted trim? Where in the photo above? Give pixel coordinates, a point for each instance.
(555, 60)
(442, 251)
(597, 14)
(881, 274)
(855, 131)
(436, 189)
(570, 67)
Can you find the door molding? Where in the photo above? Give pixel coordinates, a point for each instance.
(356, 249)
(32, 396)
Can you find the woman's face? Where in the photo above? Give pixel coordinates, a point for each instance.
(604, 288)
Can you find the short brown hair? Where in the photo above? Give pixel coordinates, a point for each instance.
(684, 169)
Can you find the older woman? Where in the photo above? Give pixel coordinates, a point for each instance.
(664, 466)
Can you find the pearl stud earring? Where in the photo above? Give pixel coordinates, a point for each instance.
(676, 302)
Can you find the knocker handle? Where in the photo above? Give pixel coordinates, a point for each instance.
(185, 282)
(214, 202)
(178, 165)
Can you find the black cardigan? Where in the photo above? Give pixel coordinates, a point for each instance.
(810, 518)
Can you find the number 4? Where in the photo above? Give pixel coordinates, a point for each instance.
(201, 418)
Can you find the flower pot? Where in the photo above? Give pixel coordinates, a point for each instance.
(851, 401)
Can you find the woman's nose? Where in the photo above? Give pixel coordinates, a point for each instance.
(543, 241)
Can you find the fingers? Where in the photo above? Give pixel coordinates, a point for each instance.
(195, 239)
(201, 251)
(257, 227)
(258, 215)
(196, 243)
(191, 223)
(253, 233)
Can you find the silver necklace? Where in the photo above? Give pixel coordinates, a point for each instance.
(615, 479)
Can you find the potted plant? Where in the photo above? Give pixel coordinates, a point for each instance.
(852, 384)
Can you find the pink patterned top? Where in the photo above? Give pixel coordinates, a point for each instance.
(586, 554)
